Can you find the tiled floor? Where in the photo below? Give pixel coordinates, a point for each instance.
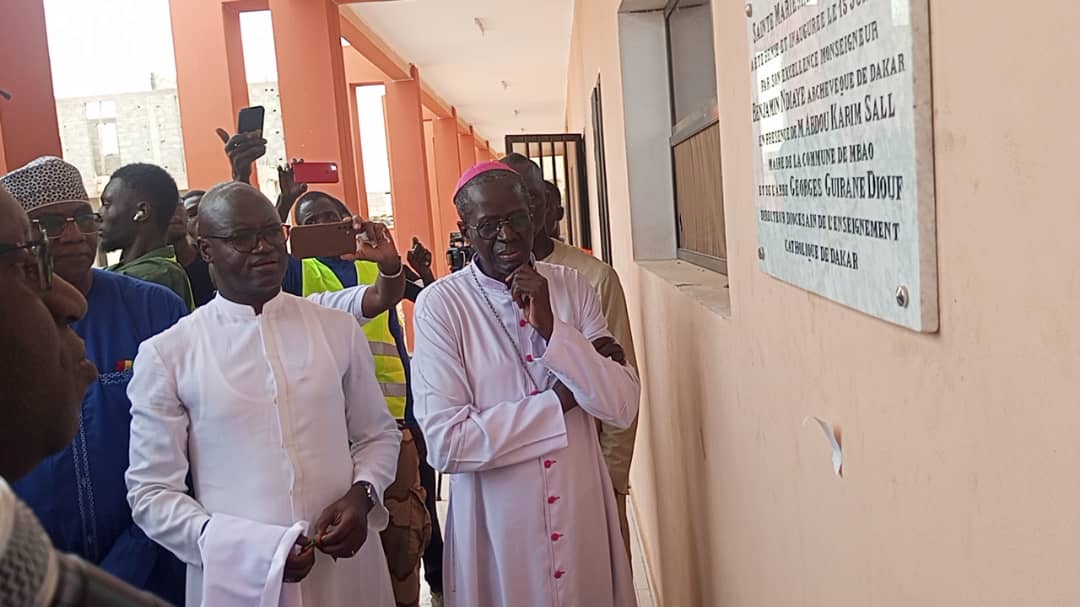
(641, 571)
(641, 576)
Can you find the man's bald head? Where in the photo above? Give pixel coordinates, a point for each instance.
(534, 183)
(241, 237)
(529, 170)
(222, 203)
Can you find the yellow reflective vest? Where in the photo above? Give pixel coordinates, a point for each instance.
(389, 370)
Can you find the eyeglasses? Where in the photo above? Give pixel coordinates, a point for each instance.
(521, 222)
(35, 263)
(54, 225)
(246, 241)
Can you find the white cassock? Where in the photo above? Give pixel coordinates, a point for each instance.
(533, 520)
(278, 415)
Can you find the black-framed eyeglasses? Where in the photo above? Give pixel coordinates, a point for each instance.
(54, 225)
(35, 262)
(246, 241)
(521, 222)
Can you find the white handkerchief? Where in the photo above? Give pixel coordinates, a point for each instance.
(243, 563)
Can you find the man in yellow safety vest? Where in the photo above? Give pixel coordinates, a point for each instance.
(409, 531)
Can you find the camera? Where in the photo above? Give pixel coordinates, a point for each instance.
(459, 253)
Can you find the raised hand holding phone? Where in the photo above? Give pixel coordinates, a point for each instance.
(243, 149)
(529, 290)
(374, 243)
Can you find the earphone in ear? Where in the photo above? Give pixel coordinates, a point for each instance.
(141, 215)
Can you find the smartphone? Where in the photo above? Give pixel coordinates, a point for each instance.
(251, 119)
(323, 240)
(315, 172)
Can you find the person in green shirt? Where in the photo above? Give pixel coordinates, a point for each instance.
(136, 207)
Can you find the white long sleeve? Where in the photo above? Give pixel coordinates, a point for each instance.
(349, 300)
(602, 387)
(462, 437)
(157, 473)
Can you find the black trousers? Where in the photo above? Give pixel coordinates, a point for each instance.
(433, 556)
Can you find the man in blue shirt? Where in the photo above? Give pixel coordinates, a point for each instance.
(79, 493)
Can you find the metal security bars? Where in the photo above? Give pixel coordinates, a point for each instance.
(562, 161)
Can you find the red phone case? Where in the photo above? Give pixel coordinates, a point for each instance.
(315, 172)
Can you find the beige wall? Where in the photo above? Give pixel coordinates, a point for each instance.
(962, 449)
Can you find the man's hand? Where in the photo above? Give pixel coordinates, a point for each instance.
(374, 243)
(566, 397)
(243, 149)
(342, 528)
(529, 290)
(300, 560)
(289, 189)
(420, 261)
(609, 348)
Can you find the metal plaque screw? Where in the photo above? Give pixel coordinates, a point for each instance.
(761, 253)
(749, 10)
(902, 296)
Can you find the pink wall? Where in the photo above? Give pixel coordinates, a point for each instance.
(961, 449)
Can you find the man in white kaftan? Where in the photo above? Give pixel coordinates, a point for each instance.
(274, 407)
(533, 519)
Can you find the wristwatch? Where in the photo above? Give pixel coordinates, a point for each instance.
(369, 492)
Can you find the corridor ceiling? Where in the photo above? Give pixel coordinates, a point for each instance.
(502, 63)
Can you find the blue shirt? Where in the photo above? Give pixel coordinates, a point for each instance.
(79, 494)
(346, 273)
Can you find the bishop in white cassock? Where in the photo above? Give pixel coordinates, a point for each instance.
(271, 402)
(511, 372)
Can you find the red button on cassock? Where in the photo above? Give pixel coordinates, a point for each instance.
(559, 574)
(555, 537)
(522, 322)
(549, 463)
(553, 499)
(528, 358)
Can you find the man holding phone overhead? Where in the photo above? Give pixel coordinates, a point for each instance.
(411, 522)
(513, 366)
(243, 149)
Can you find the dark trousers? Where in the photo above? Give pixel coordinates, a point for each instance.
(434, 553)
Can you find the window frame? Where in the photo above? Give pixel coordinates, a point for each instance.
(682, 131)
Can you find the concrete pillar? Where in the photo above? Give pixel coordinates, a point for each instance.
(467, 151)
(409, 190)
(408, 162)
(447, 172)
(28, 125)
(314, 93)
(358, 154)
(210, 80)
(439, 240)
(3, 159)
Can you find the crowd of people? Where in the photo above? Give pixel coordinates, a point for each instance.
(256, 431)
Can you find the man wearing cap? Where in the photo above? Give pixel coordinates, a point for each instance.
(513, 367)
(136, 207)
(79, 493)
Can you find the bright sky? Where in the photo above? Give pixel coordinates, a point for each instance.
(96, 51)
(103, 47)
